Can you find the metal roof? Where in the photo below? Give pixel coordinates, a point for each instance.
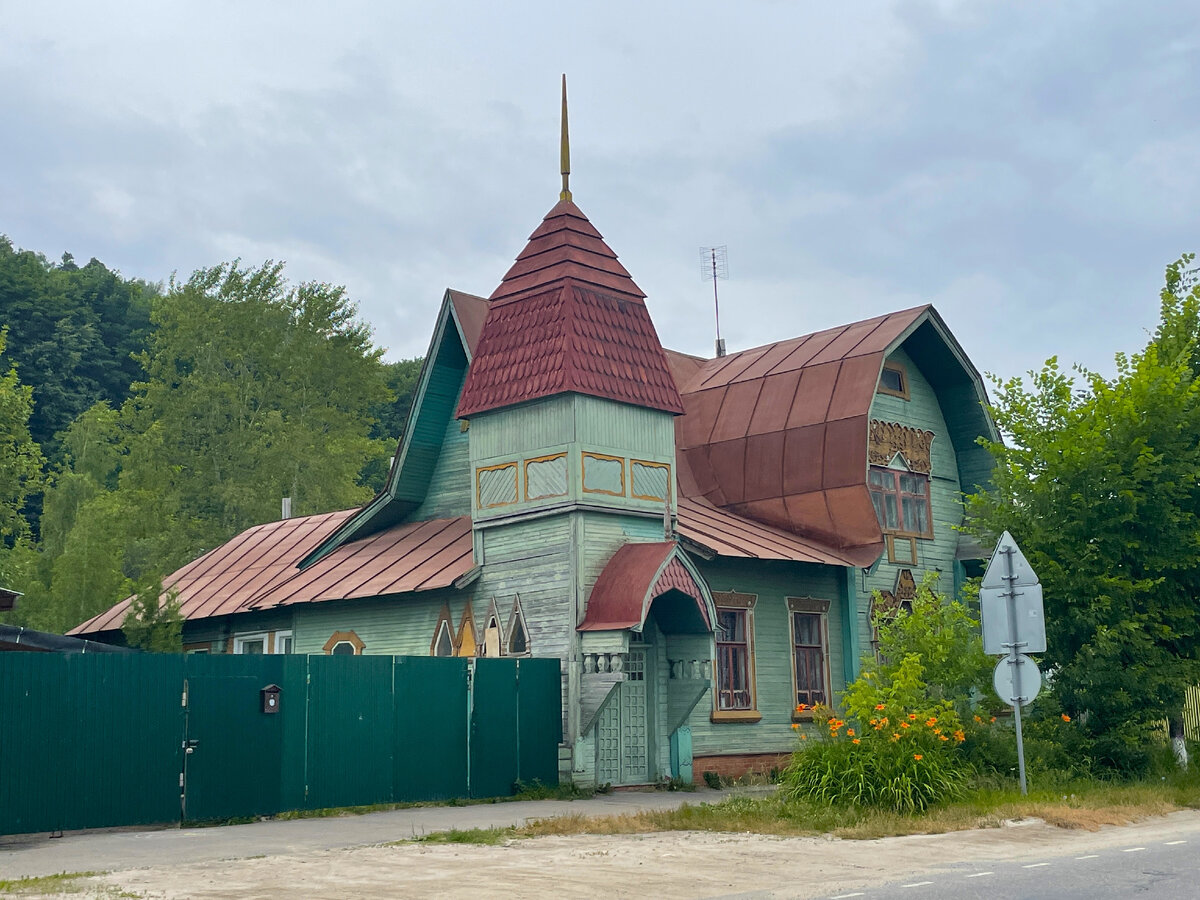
(568, 318)
(257, 569)
(778, 433)
(728, 534)
(635, 575)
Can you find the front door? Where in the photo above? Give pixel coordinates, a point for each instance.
(624, 752)
(635, 711)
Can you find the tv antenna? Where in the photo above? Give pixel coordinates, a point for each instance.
(714, 264)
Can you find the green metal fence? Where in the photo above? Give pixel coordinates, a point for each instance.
(101, 740)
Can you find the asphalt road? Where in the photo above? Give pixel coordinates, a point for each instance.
(1164, 865)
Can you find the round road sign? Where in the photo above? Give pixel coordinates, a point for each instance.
(1015, 678)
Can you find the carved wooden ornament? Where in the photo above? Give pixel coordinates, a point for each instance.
(889, 438)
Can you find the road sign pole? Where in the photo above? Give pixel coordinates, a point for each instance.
(1014, 659)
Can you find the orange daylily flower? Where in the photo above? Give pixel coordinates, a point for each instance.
(1066, 718)
(993, 719)
(795, 727)
(849, 732)
(903, 724)
(801, 707)
(879, 706)
(873, 721)
(942, 737)
(931, 721)
(959, 736)
(918, 756)
(912, 717)
(856, 741)
(977, 719)
(895, 737)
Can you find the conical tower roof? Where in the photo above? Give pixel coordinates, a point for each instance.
(568, 318)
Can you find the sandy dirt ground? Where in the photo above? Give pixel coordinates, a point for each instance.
(667, 865)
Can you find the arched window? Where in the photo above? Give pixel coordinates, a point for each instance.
(344, 643)
(443, 646)
(443, 643)
(518, 636)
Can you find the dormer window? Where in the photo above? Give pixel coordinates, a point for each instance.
(893, 381)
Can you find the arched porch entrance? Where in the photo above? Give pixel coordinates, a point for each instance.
(647, 642)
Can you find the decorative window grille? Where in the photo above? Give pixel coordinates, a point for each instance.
(496, 485)
(651, 481)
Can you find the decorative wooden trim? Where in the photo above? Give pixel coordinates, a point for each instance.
(515, 618)
(443, 620)
(808, 605)
(348, 637)
(650, 465)
(466, 631)
(745, 716)
(903, 393)
(886, 439)
(894, 555)
(493, 613)
(583, 473)
(540, 459)
(898, 494)
(479, 504)
(811, 606)
(734, 600)
(746, 603)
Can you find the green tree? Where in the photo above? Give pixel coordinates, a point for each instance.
(20, 457)
(1100, 484)
(153, 621)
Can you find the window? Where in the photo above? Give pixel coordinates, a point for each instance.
(893, 381)
(901, 501)
(443, 645)
(343, 643)
(735, 699)
(733, 660)
(283, 642)
(651, 481)
(810, 650)
(251, 644)
(518, 637)
(546, 477)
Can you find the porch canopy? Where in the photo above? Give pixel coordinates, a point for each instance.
(639, 575)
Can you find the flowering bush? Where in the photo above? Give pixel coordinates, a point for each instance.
(897, 749)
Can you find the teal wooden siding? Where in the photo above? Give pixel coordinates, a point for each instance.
(922, 410)
(772, 583)
(218, 632)
(449, 491)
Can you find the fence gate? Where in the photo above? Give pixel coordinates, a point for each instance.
(231, 749)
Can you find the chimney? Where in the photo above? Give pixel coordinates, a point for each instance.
(286, 511)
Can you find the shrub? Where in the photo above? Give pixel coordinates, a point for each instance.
(900, 750)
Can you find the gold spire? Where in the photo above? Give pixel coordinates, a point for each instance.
(565, 151)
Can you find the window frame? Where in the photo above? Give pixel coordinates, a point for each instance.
(240, 641)
(344, 637)
(899, 496)
(516, 492)
(280, 637)
(899, 369)
(732, 601)
(649, 464)
(809, 606)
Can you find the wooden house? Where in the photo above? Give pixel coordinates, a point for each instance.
(697, 540)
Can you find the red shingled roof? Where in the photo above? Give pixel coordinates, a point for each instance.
(568, 318)
(779, 433)
(257, 568)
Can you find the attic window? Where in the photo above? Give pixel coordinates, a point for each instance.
(893, 381)
(518, 637)
(443, 646)
(343, 643)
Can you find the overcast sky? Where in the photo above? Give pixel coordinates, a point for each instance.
(1029, 168)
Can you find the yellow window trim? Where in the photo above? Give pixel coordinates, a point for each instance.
(583, 474)
(539, 459)
(480, 470)
(649, 465)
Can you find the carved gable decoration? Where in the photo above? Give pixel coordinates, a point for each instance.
(906, 585)
(889, 438)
